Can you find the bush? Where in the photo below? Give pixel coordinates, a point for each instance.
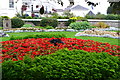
(63, 65)
(112, 17)
(39, 36)
(101, 25)
(49, 22)
(89, 17)
(17, 22)
(80, 25)
(100, 16)
(69, 22)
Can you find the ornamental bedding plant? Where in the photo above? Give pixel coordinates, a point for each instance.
(17, 49)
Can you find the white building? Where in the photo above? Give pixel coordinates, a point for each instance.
(12, 7)
(7, 8)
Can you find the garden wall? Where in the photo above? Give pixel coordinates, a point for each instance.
(111, 23)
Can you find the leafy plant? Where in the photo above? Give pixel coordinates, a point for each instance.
(39, 36)
(17, 22)
(80, 25)
(112, 17)
(62, 65)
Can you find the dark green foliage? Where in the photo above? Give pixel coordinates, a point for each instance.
(39, 36)
(64, 65)
(102, 16)
(42, 10)
(80, 25)
(49, 22)
(17, 22)
(114, 7)
(112, 17)
(69, 21)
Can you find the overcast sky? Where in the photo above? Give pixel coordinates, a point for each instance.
(102, 7)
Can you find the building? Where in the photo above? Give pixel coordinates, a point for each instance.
(7, 8)
(77, 10)
(12, 7)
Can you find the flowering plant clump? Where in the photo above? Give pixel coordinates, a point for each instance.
(17, 49)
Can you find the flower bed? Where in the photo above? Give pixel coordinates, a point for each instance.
(97, 33)
(17, 49)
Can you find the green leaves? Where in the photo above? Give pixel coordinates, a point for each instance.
(64, 64)
(80, 25)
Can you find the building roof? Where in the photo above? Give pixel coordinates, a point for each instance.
(90, 13)
(78, 7)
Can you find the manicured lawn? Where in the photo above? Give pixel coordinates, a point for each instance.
(68, 34)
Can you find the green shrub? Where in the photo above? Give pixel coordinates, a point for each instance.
(17, 22)
(64, 65)
(80, 25)
(49, 27)
(46, 35)
(111, 17)
(100, 16)
(89, 17)
(70, 21)
(49, 22)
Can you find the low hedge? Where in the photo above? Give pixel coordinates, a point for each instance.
(46, 35)
(64, 65)
(17, 22)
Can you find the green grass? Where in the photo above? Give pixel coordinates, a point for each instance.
(69, 35)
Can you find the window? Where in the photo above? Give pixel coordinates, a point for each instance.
(11, 3)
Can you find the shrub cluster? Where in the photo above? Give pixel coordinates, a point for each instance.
(49, 22)
(80, 25)
(102, 16)
(64, 65)
(17, 22)
(39, 36)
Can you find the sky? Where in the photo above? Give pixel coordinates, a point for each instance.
(102, 7)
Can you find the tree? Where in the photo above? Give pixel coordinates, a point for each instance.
(114, 8)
